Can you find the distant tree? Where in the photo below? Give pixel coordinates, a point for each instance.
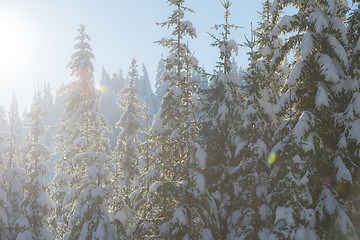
(4, 126)
(14, 174)
(47, 103)
(4, 219)
(36, 205)
(143, 85)
(126, 153)
(160, 86)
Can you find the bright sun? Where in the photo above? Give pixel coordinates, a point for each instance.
(14, 47)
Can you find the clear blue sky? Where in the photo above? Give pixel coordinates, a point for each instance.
(44, 32)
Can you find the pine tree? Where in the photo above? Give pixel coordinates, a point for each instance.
(144, 87)
(106, 93)
(36, 205)
(222, 110)
(14, 119)
(4, 219)
(108, 106)
(258, 127)
(177, 204)
(305, 202)
(349, 141)
(14, 174)
(126, 153)
(47, 103)
(81, 188)
(160, 86)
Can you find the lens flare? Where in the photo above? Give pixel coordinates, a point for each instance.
(329, 182)
(338, 186)
(99, 88)
(271, 158)
(105, 90)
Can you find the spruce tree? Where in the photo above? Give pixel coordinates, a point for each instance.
(36, 205)
(160, 86)
(132, 121)
(144, 87)
(258, 127)
(349, 141)
(126, 153)
(81, 186)
(306, 205)
(15, 177)
(4, 219)
(177, 204)
(222, 109)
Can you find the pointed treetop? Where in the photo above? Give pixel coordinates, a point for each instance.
(81, 60)
(14, 105)
(133, 74)
(226, 4)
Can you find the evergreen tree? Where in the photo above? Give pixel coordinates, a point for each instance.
(4, 126)
(222, 110)
(144, 87)
(349, 141)
(47, 103)
(305, 202)
(160, 86)
(14, 174)
(177, 204)
(108, 105)
(118, 82)
(106, 93)
(258, 127)
(58, 103)
(81, 187)
(4, 219)
(126, 153)
(36, 205)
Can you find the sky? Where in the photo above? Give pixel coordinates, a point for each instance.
(37, 38)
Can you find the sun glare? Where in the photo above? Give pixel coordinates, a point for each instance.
(14, 44)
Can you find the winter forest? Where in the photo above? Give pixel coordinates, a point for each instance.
(268, 152)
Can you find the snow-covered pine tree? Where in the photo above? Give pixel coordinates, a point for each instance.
(178, 204)
(222, 110)
(36, 205)
(160, 86)
(59, 103)
(106, 93)
(132, 121)
(4, 221)
(118, 82)
(47, 103)
(144, 87)
(126, 154)
(4, 125)
(81, 188)
(15, 177)
(350, 140)
(306, 202)
(258, 127)
(15, 120)
(108, 105)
